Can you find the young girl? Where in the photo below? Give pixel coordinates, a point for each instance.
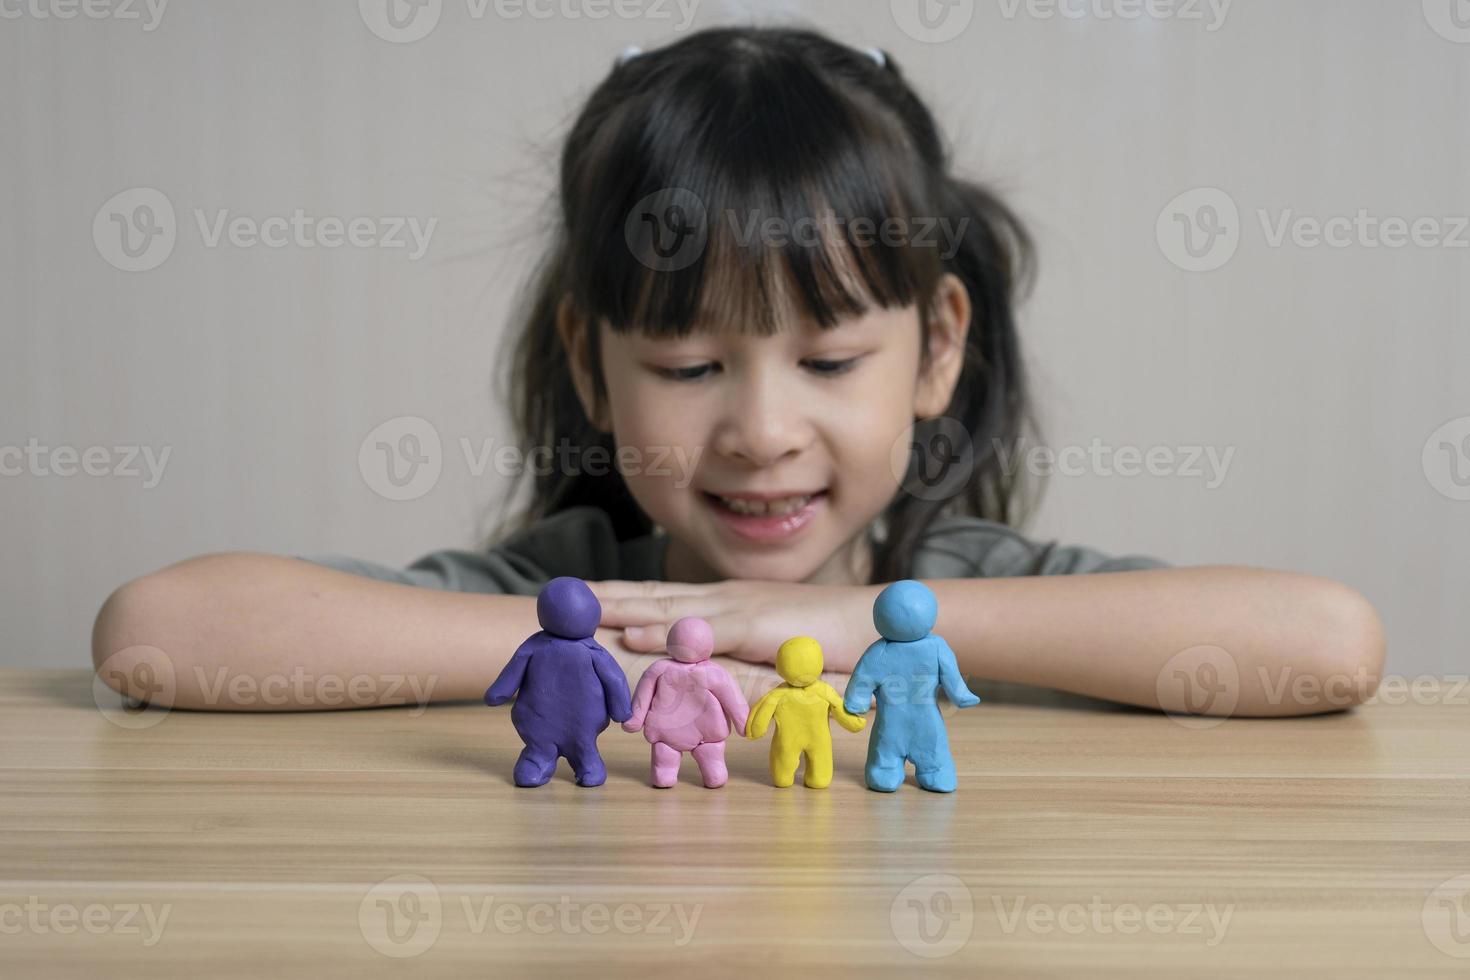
(772, 350)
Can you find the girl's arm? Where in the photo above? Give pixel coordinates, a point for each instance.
(246, 631)
(1295, 644)
(1267, 643)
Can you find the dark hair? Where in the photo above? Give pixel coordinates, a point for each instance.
(768, 122)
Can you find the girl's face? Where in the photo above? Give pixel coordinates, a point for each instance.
(769, 457)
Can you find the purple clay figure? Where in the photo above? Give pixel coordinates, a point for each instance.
(569, 687)
(681, 705)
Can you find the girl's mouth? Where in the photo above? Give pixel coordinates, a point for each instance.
(766, 518)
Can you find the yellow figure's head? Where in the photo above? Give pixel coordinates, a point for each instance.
(799, 661)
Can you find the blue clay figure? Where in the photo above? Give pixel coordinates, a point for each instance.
(569, 687)
(904, 668)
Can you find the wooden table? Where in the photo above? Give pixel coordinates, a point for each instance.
(1081, 843)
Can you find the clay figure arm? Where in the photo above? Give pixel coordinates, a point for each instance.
(643, 696)
(858, 697)
(727, 692)
(951, 679)
(760, 716)
(852, 722)
(614, 683)
(505, 686)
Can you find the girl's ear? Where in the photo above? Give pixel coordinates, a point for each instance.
(949, 328)
(572, 329)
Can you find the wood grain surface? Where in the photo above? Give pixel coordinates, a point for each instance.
(1097, 843)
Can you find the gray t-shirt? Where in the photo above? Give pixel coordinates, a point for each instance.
(580, 542)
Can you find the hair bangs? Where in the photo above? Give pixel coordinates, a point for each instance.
(732, 216)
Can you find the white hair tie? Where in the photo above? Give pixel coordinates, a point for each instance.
(629, 53)
(878, 56)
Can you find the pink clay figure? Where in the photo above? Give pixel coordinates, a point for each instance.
(681, 704)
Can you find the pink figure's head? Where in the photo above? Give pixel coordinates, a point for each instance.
(691, 640)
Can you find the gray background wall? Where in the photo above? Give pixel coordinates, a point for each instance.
(1328, 370)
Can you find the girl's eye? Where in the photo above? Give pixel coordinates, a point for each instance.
(692, 372)
(829, 367)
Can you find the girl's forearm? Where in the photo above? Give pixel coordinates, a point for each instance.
(244, 631)
(1166, 638)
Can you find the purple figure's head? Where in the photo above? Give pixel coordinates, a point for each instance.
(567, 608)
(691, 640)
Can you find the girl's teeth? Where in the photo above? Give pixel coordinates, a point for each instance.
(766, 508)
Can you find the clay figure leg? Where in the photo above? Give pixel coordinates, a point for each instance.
(886, 753)
(711, 759)
(785, 757)
(664, 766)
(586, 761)
(929, 751)
(819, 761)
(536, 765)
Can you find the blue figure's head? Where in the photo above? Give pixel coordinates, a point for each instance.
(905, 611)
(566, 607)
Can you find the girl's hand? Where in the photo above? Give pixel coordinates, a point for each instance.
(751, 619)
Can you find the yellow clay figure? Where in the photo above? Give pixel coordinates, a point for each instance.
(801, 708)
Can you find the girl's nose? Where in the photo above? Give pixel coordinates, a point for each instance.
(763, 423)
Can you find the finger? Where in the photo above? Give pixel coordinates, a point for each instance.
(619, 613)
(609, 589)
(732, 635)
(646, 639)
